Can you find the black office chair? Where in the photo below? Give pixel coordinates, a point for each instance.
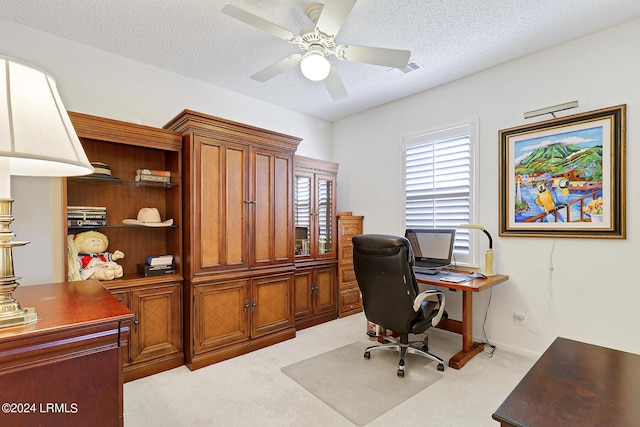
(390, 295)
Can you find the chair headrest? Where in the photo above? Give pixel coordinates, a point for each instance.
(381, 245)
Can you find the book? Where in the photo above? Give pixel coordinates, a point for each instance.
(153, 178)
(159, 267)
(153, 260)
(88, 209)
(153, 172)
(147, 270)
(86, 222)
(85, 215)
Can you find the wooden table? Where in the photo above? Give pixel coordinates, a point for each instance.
(464, 327)
(66, 368)
(576, 384)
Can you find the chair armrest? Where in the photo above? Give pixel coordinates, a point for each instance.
(430, 295)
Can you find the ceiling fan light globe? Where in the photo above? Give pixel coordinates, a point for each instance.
(315, 66)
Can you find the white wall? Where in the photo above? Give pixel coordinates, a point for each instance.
(592, 293)
(96, 82)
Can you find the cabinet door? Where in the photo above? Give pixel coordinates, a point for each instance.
(271, 208)
(325, 289)
(222, 203)
(304, 287)
(325, 219)
(220, 314)
(158, 313)
(271, 304)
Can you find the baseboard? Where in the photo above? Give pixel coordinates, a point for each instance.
(213, 356)
(137, 371)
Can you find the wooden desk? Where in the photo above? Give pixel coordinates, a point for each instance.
(464, 327)
(66, 368)
(576, 384)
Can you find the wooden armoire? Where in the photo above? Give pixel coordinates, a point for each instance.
(239, 237)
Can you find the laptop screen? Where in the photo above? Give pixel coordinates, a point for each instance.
(432, 248)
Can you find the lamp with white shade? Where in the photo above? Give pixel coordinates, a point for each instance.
(488, 256)
(36, 139)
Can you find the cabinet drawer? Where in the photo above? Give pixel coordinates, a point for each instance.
(349, 286)
(346, 239)
(346, 242)
(346, 253)
(350, 299)
(347, 274)
(350, 229)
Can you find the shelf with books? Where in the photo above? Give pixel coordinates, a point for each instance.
(92, 227)
(92, 180)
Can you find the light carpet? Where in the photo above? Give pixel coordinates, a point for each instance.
(360, 389)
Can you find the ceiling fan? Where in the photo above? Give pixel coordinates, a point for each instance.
(317, 41)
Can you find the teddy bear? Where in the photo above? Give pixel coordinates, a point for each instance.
(89, 259)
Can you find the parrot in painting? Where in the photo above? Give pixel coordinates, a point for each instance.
(545, 199)
(562, 192)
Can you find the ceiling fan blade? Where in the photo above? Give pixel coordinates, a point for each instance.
(260, 23)
(334, 85)
(374, 55)
(333, 15)
(277, 68)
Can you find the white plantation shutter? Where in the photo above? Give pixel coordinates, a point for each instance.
(439, 183)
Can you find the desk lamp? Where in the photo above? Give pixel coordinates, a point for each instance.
(488, 256)
(36, 139)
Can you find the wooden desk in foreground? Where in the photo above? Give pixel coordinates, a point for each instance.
(464, 327)
(66, 368)
(574, 384)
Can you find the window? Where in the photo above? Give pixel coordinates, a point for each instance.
(439, 183)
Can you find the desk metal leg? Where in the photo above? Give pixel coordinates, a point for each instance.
(469, 348)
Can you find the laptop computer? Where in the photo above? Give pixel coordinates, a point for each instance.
(432, 248)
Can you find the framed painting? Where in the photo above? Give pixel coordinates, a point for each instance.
(564, 177)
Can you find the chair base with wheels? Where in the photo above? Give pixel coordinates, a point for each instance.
(404, 346)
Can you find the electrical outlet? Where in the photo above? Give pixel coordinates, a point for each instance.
(519, 318)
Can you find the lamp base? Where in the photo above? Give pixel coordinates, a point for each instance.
(488, 263)
(11, 314)
(21, 316)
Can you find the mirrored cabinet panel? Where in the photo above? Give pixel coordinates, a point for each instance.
(323, 215)
(302, 213)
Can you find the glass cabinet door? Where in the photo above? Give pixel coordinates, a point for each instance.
(302, 214)
(323, 215)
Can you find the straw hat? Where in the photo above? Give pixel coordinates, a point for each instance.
(149, 217)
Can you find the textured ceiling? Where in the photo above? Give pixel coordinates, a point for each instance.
(447, 39)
